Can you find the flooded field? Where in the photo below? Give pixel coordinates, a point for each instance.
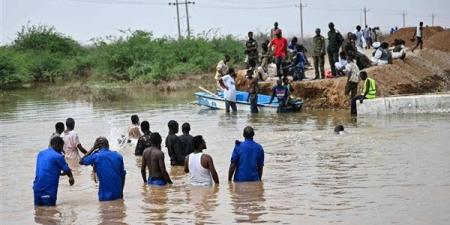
(383, 170)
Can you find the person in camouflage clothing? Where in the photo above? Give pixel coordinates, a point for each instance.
(335, 40)
(319, 54)
(251, 49)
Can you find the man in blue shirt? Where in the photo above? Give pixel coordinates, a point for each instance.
(109, 168)
(247, 161)
(49, 164)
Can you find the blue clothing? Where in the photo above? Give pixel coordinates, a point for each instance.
(156, 181)
(248, 156)
(49, 165)
(281, 93)
(44, 200)
(110, 171)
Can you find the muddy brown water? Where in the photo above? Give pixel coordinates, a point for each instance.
(383, 170)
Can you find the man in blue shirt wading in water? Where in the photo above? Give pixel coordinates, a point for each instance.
(49, 164)
(109, 168)
(247, 161)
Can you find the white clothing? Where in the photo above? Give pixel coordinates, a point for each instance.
(260, 73)
(352, 70)
(221, 67)
(360, 40)
(418, 32)
(272, 70)
(198, 175)
(341, 64)
(229, 94)
(376, 59)
(71, 143)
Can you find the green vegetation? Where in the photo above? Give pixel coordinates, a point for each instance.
(40, 53)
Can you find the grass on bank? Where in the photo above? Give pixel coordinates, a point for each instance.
(40, 53)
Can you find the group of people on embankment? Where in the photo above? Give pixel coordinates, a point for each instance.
(246, 164)
(346, 58)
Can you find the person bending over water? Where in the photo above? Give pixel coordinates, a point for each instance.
(153, 159)
(200, 166)
(109, 168)
(247, 161)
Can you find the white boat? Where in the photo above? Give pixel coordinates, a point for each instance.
(217, 101)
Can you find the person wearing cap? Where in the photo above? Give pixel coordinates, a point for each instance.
(335, 40)
(319, 55)
(280, 45)
(109, 167)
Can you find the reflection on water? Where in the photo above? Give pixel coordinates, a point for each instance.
(382, 170)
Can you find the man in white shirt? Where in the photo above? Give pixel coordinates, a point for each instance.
(227, 82)
(71, 141)
(221, 69)
(419, 36)
(200, 166)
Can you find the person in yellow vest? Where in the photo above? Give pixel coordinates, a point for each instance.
(369, 91)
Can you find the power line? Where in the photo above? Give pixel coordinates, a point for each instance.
(404, 18)
(178, 16)
(365, 10)
(186, 2)
(301, 6)
(133, 2)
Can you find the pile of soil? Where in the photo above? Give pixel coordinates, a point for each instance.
(439, 41)
(408, 32)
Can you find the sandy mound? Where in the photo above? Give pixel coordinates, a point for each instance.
(407, 33)
(439, 41)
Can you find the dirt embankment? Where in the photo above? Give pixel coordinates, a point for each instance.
(408, 32)
(426, 71)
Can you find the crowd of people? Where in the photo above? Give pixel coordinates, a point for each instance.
(346, 57)
(246, 164)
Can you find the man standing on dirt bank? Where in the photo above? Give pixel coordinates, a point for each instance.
(335, 40)
(418, 34)
(319, 55)
(247, 160)
(49, 164)
(109, 168)
(173, 145)
(221, 69)
(369, 91)
(251, 49)
(228, 84)
(352, 71)
(253, 89)
(274, 31)
(280, 45)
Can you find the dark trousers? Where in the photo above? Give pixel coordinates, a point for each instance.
(333, 57)
(419, 42)
(253, 98)
(279, 62)
(228, 104)
(351, 88)
(353, 104)
(319, 60)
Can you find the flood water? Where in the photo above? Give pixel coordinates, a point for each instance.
(384, 170)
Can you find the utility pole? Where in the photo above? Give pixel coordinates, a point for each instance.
(404, 18)
(186, 2)
(365, 10)
(178, 17)
(301, 6)
(432, 19)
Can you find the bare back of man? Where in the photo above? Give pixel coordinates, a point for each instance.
(153, 159)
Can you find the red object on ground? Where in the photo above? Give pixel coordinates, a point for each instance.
(328, 74)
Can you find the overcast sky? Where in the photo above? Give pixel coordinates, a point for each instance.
(86, 19)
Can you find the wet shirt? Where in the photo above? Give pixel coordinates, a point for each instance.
(49, 164)
(229, 94)
(110, 171)
(280, 45)
(71, 142)
(175, 150)
(248, 156)
(186, 143)
(143, 143)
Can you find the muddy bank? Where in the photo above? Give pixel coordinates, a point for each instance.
(427, 71)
